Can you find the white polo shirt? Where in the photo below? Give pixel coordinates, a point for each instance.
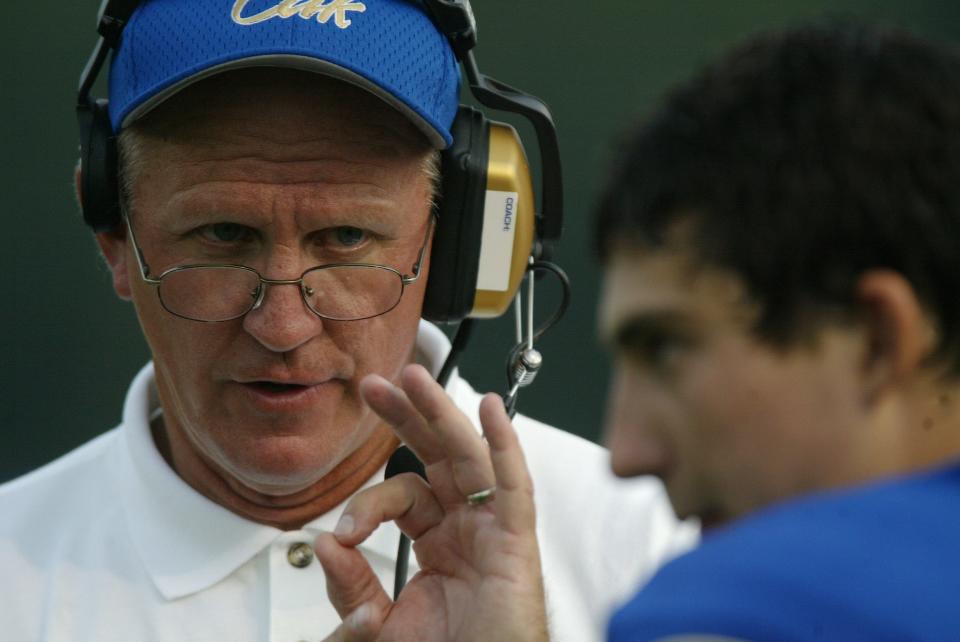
(108, 544)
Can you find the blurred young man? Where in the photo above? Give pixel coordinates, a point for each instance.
(782, 252)
(782, 247)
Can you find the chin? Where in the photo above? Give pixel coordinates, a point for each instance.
(709, 516)
(281, 469)
(625, 466)
(711, 520)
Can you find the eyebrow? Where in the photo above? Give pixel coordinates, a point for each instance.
(219, 204)
(635, 330)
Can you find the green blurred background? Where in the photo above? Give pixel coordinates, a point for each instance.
(70, 347)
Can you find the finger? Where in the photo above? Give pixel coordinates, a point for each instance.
(351, 583)
(363, 625)
(405, 499)
(514, 500)
(463, 446)
(392, 405)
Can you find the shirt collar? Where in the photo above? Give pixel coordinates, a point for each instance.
(187, 542)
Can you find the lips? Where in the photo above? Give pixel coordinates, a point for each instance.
(274, 398)
(280, 380)
(276, 387)
(285, 392)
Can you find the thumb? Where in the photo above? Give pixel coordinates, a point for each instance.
(362, 625)
(351, 583)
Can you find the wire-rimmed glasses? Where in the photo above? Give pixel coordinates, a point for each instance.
(215, 292)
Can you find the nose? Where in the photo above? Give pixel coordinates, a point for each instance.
(282, 322)
(632, 428)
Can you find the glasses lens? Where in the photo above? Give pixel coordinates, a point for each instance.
(352, 292)
(209, 293)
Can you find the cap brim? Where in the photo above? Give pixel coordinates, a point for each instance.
(291, 61)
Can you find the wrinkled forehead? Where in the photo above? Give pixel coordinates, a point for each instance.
(275, 104)
(255, 141)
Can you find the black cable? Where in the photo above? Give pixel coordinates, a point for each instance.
(458, 345)
(558, 272)
(404, 461)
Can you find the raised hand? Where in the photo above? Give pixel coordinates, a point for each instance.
(472, 526)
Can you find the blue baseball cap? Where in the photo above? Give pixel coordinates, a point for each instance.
(390, 48)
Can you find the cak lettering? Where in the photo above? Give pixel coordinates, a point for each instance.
(322, 10)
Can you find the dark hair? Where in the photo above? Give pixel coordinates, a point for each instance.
(801, 160)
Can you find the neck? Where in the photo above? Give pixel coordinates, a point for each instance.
(286, 512)
(919, 433)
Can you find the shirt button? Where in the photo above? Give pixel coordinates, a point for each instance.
(300, 555)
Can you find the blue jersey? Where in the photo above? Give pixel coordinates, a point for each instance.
(878, 563)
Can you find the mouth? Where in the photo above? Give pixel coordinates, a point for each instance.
(272, 396)
(272, 387)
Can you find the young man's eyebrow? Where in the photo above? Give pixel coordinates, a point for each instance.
(634, 329)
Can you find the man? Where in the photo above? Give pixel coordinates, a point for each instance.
(782, 299)
(782, 252)
(277, 169)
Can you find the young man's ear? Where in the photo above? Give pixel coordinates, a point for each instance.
(113, 245)
(899, 332)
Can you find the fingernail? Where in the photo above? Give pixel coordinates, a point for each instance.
(344, 526)
(359, 617)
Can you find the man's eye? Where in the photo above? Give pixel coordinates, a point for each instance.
(651, 348)
(658, 351)
(349, 236)
(225, 232)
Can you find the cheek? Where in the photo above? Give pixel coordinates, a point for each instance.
(756, 423)
(384, 344)
(730, 406)
(757, 399)
(185, 349)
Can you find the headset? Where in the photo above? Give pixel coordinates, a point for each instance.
(485, 182)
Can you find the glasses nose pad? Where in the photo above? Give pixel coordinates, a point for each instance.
(257, 295)
(306, 293)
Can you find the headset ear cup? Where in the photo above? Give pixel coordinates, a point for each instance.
(455, 256)
(99, 193)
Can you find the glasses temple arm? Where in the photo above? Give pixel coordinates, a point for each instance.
(408, 279)
(138, 253)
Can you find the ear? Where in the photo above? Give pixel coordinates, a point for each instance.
(112, 244)
(899, 332)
